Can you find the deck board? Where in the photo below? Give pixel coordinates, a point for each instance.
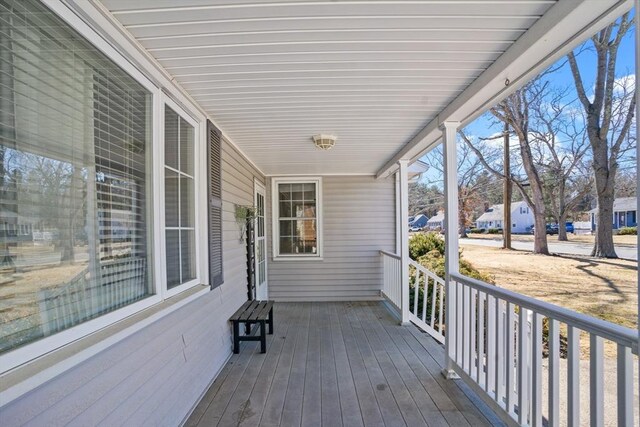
(339, 364)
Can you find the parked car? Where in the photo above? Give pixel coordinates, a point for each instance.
(551, 229)
(554, 228)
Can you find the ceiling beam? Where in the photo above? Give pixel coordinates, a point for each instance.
(565, 25)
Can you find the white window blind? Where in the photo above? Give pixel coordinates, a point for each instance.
(75, 180)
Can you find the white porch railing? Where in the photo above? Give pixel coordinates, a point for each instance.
(426, 303)
(498, 340)
(497, 346)
(391, 278)
(426, 308)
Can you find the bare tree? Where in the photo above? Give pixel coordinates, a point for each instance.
(514, 110)
(560, 145)
(471, 179)
(609, 116)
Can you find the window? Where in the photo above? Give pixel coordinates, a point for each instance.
(75, 181)
(179, 187)
(297, 218)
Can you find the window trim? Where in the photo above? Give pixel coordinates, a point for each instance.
(197, 187)
(275, 218)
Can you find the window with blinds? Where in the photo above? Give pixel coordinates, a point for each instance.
(75, 178)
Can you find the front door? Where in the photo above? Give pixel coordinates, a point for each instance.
(260, 239)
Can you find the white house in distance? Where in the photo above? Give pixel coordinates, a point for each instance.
(625, 213)
(521, 217)
(436, 221)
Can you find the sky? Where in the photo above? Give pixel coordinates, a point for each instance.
(562, 77)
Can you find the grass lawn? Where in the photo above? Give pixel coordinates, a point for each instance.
(606, 289)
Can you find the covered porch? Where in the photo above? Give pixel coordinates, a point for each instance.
(340, 363)
(363, 334)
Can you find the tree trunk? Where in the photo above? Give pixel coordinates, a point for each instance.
(603, 247)
(540, 235)
(562, 228)
(462, 221)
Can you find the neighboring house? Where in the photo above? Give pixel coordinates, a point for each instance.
(521, 217)
(625, 213)
(418, 222)
(140, 127)
(436, 222)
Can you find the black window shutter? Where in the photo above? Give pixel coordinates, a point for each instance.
(214, 155)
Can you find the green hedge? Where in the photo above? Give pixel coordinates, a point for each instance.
(476, 230)
(422, 244)
(628, 231)
(494, 231)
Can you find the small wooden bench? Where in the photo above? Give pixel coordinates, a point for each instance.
(251, 313)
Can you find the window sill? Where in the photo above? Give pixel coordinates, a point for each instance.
(27, 377)
(297, 258)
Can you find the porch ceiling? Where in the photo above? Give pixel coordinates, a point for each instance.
(374, 73)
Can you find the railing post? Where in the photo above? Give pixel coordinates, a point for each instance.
(404, 239)
(449, 133)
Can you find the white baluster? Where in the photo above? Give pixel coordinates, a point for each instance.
(554, 373)
(522, 364)
(536, 374)
(573, 378)
(596, 380)
(511, 378)
(625, 386)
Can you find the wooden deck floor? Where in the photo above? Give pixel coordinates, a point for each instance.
(339, 364)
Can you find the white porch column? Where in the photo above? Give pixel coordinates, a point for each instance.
(404, 238)
(398, 213)
(636, 4)
(452, 262)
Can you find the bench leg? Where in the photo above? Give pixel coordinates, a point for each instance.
(263, 337)
(247, 328)
(270, 321)
(236, 337)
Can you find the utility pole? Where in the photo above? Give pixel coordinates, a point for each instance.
(506, 223)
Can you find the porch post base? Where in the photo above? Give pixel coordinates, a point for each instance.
(450, 374)
(405, 323)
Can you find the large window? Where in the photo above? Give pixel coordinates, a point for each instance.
(75, 179)
(297, 221)
(179, 199)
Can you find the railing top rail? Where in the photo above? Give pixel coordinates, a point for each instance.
(428, 272)
(389, 254)
(611, 331)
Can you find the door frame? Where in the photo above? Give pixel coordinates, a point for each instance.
(260, 188)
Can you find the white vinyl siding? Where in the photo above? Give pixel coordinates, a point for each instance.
(358, 222)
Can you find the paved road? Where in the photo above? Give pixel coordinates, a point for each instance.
(570, 248)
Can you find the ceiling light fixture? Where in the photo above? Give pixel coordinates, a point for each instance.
(324, 142)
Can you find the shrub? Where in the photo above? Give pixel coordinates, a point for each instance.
(494, 231)
(627, 231)
(434, 261)
(476, 230)
(424, 243)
